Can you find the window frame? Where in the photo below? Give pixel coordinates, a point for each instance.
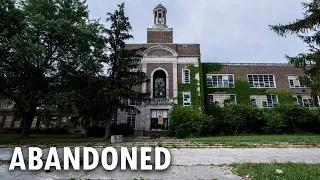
(260, 98)
(131, 116)
(131, 104)
(274, 80)
(305, 86)
(295, 96)
(6, 101)
(184, 77)
(222, 82)
(184, 93)
(222, 103)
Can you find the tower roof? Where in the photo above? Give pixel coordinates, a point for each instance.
(160, 6)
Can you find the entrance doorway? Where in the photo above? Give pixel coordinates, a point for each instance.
(159, 119)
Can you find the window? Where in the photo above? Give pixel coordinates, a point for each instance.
(160, 17)
(294, 82)
(261, 81)
(132, 102)
(264, 101)
(186, 98)
(220, 99)
(134, 70)
(304, 100)
(185, 76)
(220, 80)
(131, 120)
(6, 104)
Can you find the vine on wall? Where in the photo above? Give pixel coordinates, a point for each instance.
(242, 89)
(201, 81)
(192, 87)
(206, 68)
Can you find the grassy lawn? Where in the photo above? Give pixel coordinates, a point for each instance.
(42, 139)
(292, 171)
(315, 139)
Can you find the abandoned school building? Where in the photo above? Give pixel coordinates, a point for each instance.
(177, 76)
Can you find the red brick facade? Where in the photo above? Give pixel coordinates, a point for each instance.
(280, 72)
(159, 53)
(182, 49)
(160, 36)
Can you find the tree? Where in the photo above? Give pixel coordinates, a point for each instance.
(307, 29)
(122, 77)
(92, 98)
(43, 44)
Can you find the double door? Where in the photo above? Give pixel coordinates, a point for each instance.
(159, 119)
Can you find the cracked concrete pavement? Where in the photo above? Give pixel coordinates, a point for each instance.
(192, 163)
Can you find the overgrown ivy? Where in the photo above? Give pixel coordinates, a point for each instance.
(242, 89)
(201, 81)
(192, 87)
(206, 68)
(196, 96)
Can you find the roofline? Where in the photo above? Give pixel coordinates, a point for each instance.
(255, 64)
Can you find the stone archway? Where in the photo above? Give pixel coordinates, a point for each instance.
(159, 83)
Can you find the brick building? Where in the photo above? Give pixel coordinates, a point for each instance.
(178, 77)
(168, 65)
(261, 84)
(188, 82)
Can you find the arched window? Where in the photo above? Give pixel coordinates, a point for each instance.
(159, 84)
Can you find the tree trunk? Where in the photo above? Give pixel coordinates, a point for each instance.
(59, 121)
(38, 124)
(107, 132)
(27, 124)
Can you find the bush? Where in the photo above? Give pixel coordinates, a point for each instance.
(275, 123)
(298, 119)
(244, 119)
(55, 131)
(95, 131)
(211, 126)
(121, 129)
(237, 118)
(186, 121)
(116, 129)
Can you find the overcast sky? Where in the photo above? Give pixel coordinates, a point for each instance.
(234, 31)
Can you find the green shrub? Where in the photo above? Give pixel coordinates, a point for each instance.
(238, 117)
(245, 119)
(298, 119)
(95, 131)
(256, 121)
(116, 129)
(55, 131)
(275, 123)
(211, 126)
(121, 129)
(185, 121)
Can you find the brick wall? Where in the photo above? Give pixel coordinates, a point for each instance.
(159, 53)
(160, 37)
(280, 73)
(182, 49)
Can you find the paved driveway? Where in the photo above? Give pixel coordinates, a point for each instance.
(186, 164)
